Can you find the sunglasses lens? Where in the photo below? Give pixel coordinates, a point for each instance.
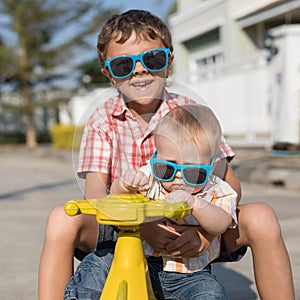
(195, 175)
(121, 66)
(163, 171)
(155, 60)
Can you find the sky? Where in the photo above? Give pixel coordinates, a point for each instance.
(157, 7)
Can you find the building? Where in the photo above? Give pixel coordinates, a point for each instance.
(243, 58)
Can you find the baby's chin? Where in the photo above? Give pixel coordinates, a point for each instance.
(181, 187)
(189, 189)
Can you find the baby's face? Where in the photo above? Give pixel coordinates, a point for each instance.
(142, 85)
(169, 148)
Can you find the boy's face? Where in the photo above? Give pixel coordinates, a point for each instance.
(171, 149)
(141, 86)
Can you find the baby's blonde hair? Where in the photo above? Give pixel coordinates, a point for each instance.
(190, 122)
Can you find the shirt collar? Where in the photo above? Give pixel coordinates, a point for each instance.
(120, 106)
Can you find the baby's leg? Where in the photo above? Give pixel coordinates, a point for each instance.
(63, 235)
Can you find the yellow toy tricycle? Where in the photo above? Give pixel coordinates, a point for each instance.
(127, 277)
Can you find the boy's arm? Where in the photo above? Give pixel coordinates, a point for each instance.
(118, 187)
(95, 185)
(233, 181)
(223, 170)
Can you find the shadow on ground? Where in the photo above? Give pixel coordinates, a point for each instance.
(234, 283)
(22, 192)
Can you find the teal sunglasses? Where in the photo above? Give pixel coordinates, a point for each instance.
(192, 174)
(154, 60)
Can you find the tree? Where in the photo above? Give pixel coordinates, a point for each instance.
(92, 73)
(41, 43)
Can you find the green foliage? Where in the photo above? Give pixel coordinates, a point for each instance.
(92, 71)
(46, 34)
(20, 138)
(43, 137)
(42, 44)
(12, 138)
(173, 9)
(66, 136)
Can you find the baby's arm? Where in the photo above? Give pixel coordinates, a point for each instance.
(132, 181)
(213, 219)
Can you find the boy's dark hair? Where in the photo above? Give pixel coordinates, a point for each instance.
(143, 23)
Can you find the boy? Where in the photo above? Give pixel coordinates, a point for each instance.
(133, 33)
(187, 141)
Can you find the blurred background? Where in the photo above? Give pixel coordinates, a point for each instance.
(48, 57)
(241, 57)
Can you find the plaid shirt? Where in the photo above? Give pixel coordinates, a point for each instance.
(114, 141)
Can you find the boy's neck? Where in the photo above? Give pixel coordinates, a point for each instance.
(144, 112)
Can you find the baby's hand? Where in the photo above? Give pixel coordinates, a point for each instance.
(181, 196)
(135, 181)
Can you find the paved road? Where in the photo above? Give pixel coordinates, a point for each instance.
(33, 182)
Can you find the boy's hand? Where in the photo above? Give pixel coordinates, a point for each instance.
(158, 235)
(177, 240)
(135, 181)
(192, 242)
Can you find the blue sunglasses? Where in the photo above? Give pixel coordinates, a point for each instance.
(193, 175)
(154, 60)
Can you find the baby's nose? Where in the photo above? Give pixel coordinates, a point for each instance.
(178, 174)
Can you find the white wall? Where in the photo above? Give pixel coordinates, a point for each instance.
(286, 66)
(241, 101)
(83, 105)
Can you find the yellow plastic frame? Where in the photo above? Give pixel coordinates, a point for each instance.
(127, 277)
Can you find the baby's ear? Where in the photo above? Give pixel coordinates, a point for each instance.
(220, 167)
